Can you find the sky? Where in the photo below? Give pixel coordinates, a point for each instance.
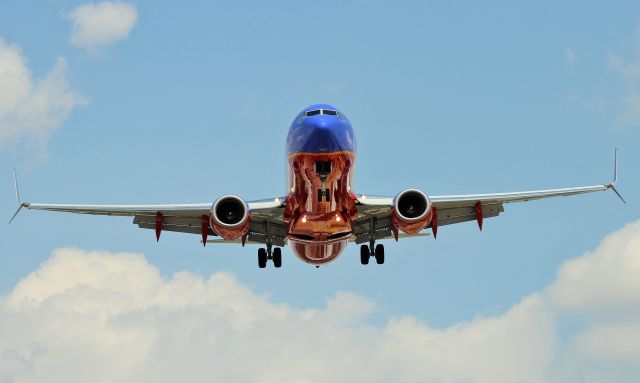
(144, 102)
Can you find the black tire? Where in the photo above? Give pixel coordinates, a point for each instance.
(364, 254)
(380, 254)
(277, 257)
(262, 258)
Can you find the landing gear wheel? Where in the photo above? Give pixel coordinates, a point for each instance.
(380, 254)
(364, 254)
(277, 257)
(262, 258)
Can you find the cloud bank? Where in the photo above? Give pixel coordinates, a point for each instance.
(97, 25)
(96, 316)
(30, 109)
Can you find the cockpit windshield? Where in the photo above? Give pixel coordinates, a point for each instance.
(315, 112)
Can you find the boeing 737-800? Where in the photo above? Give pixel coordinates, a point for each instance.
(320, 212)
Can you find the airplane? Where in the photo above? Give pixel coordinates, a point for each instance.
(320, 213)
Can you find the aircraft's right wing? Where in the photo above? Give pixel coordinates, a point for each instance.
(266, 217)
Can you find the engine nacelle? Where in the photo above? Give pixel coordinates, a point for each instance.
(412, 211)
(230, 217)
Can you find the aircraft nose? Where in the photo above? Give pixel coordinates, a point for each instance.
(320, 134)
(323, 132)
(320, 122)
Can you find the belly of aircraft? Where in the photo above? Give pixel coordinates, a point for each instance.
(320, 205)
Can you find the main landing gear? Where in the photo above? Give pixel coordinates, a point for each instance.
(267, 254)
(368, 251)
(372, 250)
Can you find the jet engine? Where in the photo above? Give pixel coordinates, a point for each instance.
(412, 211)
(230, 217)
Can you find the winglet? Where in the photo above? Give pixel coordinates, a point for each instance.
(20, 203)
(615, 166)
(612, 185)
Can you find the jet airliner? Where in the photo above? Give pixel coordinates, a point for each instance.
(320, 213)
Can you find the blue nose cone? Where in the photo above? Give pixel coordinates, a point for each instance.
(322, 134)
(320, 129)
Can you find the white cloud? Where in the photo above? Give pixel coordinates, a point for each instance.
(98, 25)
(605, 282)
(603, 287)
(86, 316)
(617, 343)
(30, 110)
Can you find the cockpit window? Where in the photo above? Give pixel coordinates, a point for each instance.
(315, 112)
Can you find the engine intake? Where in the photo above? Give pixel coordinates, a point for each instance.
(230, 217)
(412, 211)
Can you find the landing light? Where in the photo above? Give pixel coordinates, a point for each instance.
(337, 218)
(304, 219)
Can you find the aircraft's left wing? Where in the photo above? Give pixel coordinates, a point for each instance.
(374, 212)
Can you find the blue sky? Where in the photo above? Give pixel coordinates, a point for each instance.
(195, 101)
